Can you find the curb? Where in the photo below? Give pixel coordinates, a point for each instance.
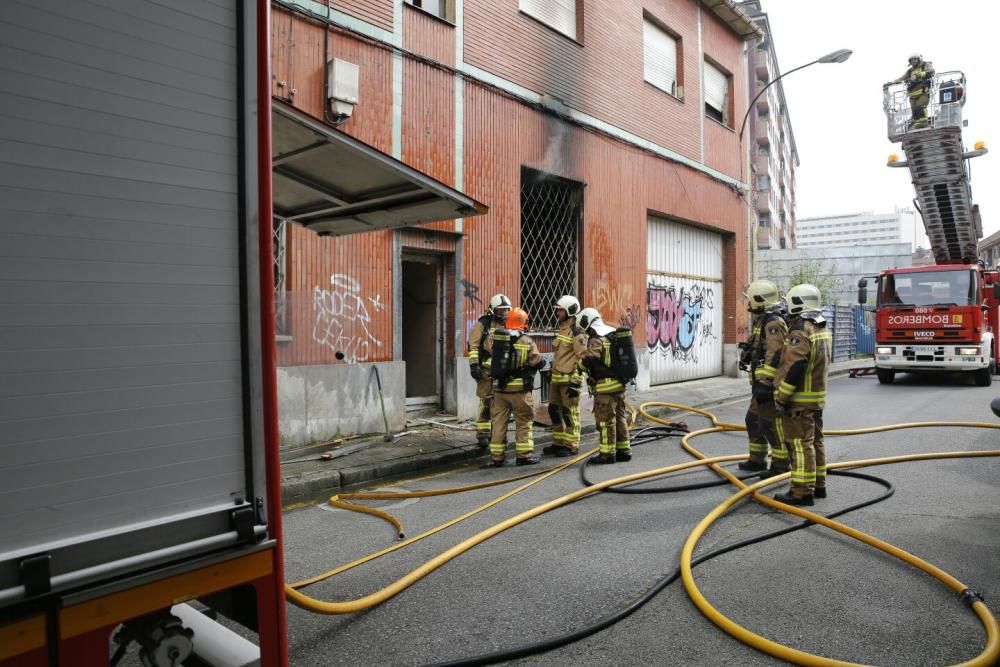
(312, 485)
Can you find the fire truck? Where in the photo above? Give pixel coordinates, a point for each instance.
(143, 164)
(943, 317)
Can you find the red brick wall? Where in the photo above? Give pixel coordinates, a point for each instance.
(378, 12)
(722, 150)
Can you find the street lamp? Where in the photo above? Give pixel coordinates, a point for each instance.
(837, 56)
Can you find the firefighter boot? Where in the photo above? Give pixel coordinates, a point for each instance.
(623, 456)
(790, 498)
(483, 441)
(772, 471)
(601, 459)
(819, 492)
(752, 466)
(526, 461)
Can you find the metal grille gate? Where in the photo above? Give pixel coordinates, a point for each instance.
(280, 302)
(551, 213)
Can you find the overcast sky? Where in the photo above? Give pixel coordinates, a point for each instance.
(836, 109)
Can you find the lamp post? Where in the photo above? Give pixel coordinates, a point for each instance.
(837, 56)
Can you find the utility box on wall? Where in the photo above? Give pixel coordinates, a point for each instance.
(341, 87)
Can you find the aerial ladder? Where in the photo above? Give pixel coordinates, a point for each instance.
(938, 166)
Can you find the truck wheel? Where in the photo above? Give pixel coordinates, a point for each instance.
(885, 375)
(983, 376)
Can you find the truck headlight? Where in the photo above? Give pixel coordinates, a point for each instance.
(968, 351)
(885, 350)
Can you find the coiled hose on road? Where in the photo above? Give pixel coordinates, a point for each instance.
(988, 655)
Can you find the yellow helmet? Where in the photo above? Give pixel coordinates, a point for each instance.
(762, 294)
(803, 298)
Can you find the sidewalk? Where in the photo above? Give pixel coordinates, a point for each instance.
(310, 472)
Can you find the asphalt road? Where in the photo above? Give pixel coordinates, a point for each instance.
(814, 590)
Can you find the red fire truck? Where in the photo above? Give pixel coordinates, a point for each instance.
(140, 167)
(943, 317)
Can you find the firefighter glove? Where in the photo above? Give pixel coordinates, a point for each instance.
(475, 371)
(573, 390)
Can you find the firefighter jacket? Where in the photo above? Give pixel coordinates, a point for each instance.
(525, 361)
(568, 349)
(767, 340)
(597, 360)
(918, 79)
(478, 354)
(800, 380)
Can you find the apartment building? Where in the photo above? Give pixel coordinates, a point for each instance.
(866, 228)
(588, 148)
(774, 154)
(989, 250)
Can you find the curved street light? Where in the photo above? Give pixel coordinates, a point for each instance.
(838, 56)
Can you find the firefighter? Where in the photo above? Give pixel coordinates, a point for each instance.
(479, 362)
(513, 372)
(610, 409)
(567, 379)
(800, 394)
(918, 78)
(760, 357)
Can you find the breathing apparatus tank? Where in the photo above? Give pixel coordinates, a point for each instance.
(624, 362)
(502, 356)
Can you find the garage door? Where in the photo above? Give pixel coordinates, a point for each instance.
(121, 363)
(683, 302)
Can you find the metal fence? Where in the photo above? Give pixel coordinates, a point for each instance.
(853, 331)
(864, 330)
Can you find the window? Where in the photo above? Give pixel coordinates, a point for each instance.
(660, 57)
(439, 8)
(280, 269)
(763, 183)
(560, 15)
(551, 215)
(716, 93)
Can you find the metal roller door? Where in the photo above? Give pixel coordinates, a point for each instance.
(684, 302)
(122, 362)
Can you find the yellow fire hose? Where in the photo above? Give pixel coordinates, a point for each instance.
(988, 656)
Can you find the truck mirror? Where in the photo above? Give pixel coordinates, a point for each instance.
(863, 291)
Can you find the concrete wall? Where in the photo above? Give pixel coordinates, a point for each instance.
(845, 263)
(320, 402)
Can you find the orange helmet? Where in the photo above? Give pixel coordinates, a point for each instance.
(517, 319)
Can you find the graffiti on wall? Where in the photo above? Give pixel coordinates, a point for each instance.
(343, 319)
(678, 321)
(615, 303)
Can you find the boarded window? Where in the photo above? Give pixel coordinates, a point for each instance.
(660, 58)
(557, 14)
(551, 214)
(716, 93)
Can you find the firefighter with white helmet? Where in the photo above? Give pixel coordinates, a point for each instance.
(919, 77)
(479, 362)
(515, 361)
(759, 356)
(610, 409)
(800, 394)
(569, 346)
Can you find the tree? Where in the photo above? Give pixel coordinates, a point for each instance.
(814, 272)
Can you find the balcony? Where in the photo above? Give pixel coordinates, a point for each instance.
(763, 103)
(763, 134)
(763, 203)
(762, 66)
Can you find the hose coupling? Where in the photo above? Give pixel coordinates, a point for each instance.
(970, 597)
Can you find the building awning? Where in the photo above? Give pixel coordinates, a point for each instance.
(334, 184)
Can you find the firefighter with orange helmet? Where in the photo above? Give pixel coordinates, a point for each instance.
(515, 360)
(610, 410)
(569, 346)
(480, 362)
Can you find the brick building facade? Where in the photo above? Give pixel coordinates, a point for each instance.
(578, 145)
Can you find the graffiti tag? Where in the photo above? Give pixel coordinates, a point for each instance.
(343, 322)
(674, 323)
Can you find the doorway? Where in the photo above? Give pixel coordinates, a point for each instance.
(422, 329)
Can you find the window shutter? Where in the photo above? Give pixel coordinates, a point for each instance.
(660, 57)
(558, 14)
(716, 88)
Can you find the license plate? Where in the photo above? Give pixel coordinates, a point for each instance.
(925, 349)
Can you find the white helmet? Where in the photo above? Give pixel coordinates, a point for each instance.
(802, 298)
(570, 304)
(762, 294)
(587, 317)
(914, 56)
(498, 302)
